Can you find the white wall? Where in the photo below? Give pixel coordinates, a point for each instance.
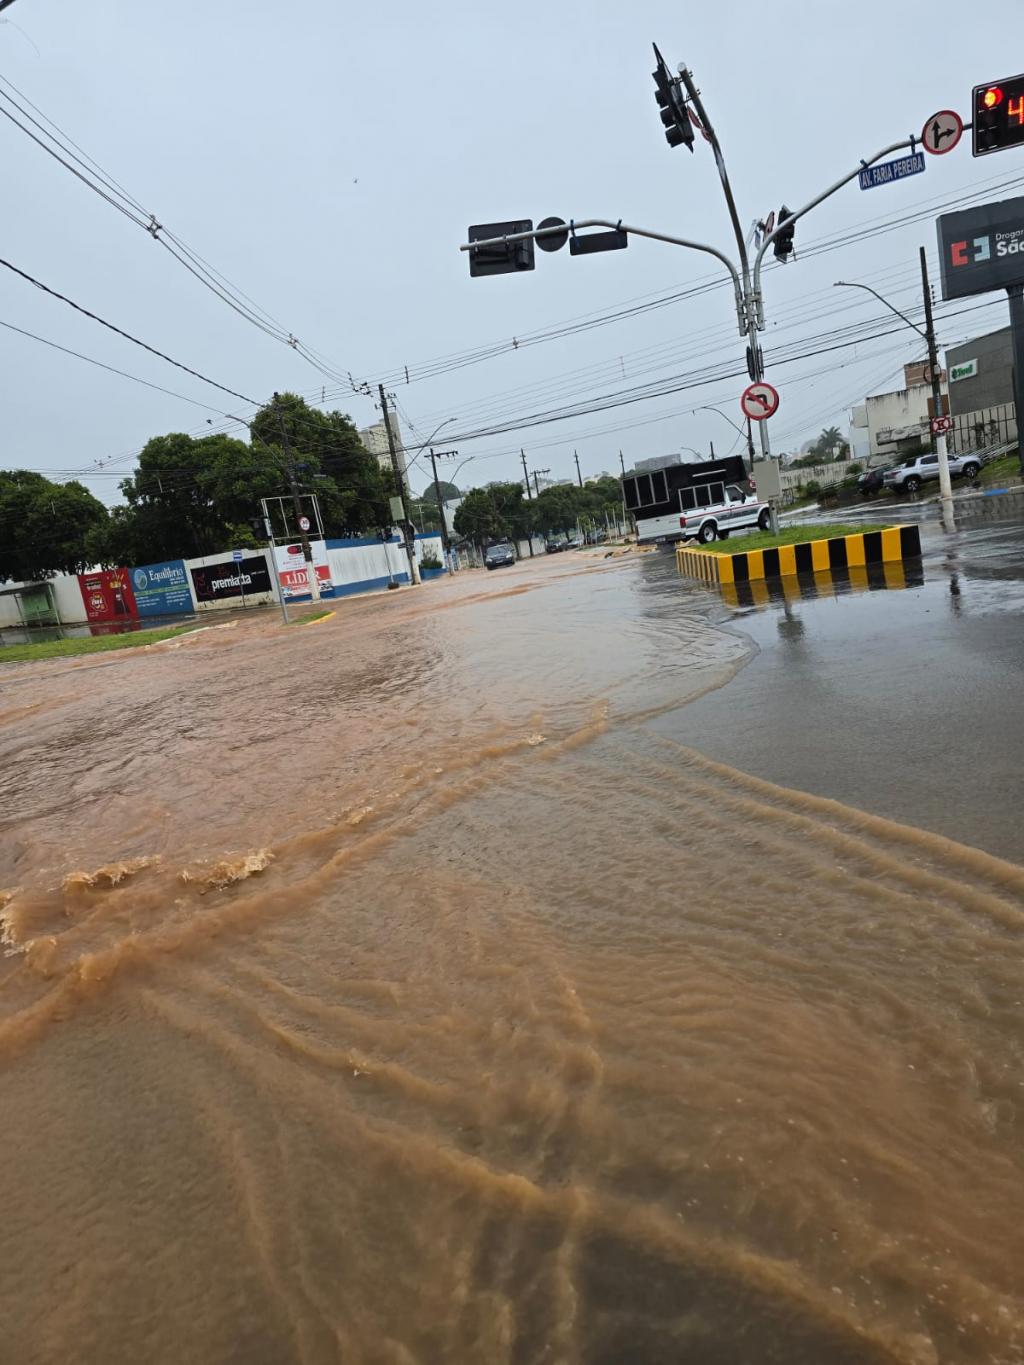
(897, 416)
(66, 593)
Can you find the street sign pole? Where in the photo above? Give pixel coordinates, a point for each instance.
(945, 487)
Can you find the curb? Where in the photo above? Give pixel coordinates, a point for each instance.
(856, 550)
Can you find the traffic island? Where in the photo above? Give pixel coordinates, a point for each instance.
(799, 551)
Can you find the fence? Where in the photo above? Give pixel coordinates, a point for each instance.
(983, 428)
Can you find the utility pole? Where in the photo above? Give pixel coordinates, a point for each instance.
(945, 487)
(526, 472)
(625, 513)
(536, 475)
(445, 538)
(410, 543)
(307, 553)
(579, 476)
(712, 445)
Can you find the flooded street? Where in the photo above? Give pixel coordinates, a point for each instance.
(414, 986)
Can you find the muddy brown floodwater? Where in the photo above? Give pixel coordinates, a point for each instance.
(390, 989)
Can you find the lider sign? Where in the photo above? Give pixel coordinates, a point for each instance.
(981, 249)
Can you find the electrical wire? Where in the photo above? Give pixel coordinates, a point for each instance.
(127, 335)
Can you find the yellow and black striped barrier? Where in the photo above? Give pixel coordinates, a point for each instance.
(891, 575)
(858, 550)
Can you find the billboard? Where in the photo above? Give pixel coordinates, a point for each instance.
(107, 595)
(292, 571)
(161, 589)
(226, 578)
(981, 249)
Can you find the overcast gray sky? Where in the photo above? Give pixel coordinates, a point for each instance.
(328, 157)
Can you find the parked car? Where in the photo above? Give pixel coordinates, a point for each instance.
(911, 474)
(554, 547)
(873, 481)
(499, 554)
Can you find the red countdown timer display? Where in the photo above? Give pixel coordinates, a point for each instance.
(998, 116)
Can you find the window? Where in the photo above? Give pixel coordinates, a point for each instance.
(629, 490)
(930, 459)
(735, 494)
(644, 496)
(689, 499)
(703, 493)
(659, 486)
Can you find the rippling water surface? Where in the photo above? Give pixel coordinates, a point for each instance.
(394, 990)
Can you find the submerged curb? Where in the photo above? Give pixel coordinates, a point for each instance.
(856, 550)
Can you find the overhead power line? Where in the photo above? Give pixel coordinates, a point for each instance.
(127, 335)
(63, 149)
(90, 360)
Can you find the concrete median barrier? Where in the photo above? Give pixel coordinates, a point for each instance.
(857, 550)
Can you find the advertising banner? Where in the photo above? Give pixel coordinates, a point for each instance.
(226, 578)
(161, 589)
(981, 249)
(292, 570)
(107, 595)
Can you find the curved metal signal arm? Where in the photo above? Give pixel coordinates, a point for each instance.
(811, 204)
(575, 224)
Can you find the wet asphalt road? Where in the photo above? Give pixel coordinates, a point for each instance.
(904, 701)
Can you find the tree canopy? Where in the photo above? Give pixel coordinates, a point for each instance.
(501, 510)
(44, 526)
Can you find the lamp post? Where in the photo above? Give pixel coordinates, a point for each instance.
(927, 334)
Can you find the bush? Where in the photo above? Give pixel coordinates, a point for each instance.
(812, 488)
(430, 561)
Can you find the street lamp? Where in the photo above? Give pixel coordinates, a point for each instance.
(928, 336)
(748, 434)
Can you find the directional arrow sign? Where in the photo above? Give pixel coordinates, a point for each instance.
(759, 401)
(942, 132)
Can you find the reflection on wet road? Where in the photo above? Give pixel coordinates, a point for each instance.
(417, 989)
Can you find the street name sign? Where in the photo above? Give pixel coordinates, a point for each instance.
(888, 172)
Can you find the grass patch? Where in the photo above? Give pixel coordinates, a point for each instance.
(790, 535)
(310, 616)
(88, 644)
(1001, 471)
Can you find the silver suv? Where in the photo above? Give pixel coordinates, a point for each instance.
(909, 476)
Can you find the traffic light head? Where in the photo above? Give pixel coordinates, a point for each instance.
(671, 102)
(783, 243)
(998, 116)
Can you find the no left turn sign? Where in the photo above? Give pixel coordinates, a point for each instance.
(759, 401)
(942, 132)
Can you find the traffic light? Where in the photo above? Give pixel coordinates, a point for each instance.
(783, 244)
(504, 257)
(998, 117)
(668, 94)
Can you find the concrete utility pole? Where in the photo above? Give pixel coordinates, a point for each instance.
(445, 538)
(400, 490)
(579, 476)
(945, 487)
(625, 513)
(536, 476)
(526, 472)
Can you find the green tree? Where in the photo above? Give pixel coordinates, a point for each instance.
(44, 526)
(478, 517)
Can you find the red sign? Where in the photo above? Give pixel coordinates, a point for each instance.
(942, 132)
(759, 401)
(940, 425)
(108, 595)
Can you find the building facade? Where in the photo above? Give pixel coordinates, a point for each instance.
(375, 440)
